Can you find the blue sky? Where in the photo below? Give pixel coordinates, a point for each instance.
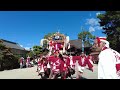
(28, 27)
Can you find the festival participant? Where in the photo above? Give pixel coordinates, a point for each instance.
(66, 59)
(71, 65)
(38, 65)
(42, 67)
(48, 62)
(38, 61)
(69, 71)
(51, 45)
(90, 62)
(28, 62)
(82, 61)
(21, 62)
(55, 66)
(57, 46)
(50, 59)
(72, 61)
(63, 67)
(108, 65)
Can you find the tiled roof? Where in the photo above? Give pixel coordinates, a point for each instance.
(12, 44)
(78, 43)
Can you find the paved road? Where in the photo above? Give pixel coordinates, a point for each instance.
(30, 73)
(25, 73)
(89, 74)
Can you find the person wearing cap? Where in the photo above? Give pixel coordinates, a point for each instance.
(107, 60)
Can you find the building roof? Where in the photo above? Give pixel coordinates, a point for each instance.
(78, 43)
(12, 44)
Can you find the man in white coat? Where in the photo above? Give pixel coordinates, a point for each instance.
(107, 60)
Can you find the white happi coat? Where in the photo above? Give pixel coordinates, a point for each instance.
(107, 65)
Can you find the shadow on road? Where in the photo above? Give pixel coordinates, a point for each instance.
(83, 78)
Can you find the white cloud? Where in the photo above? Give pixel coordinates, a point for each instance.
(92, 22)
(27, 48)
(21, 45)
(98, 27)
(91, 29)
(98, 13)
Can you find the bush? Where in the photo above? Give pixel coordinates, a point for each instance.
(10, 62)
(7, 59)
(16, 62)
(31, 54)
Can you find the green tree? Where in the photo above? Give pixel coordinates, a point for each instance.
(110, 22)
(4, 51)
(87, 37)
(48, 35)
(45, 44)
(31, 54)
(37, 50)
(7, 59)
(1, 54)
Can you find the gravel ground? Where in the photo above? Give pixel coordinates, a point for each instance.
(30, 73)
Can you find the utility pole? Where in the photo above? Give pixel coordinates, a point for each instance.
(82, 40)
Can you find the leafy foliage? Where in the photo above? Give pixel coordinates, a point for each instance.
(110, 22)
(31, 54)
(37, 50)
(87, 37)
(48, 35)
(7, 59)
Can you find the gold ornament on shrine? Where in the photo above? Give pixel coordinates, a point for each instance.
(58, 38)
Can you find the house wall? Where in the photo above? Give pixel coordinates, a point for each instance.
(78, 51)
(19, 52)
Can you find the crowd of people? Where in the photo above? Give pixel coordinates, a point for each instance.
(55, 64)
(63, 65)
(25, 62)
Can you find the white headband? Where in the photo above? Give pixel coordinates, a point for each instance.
(107, 43)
